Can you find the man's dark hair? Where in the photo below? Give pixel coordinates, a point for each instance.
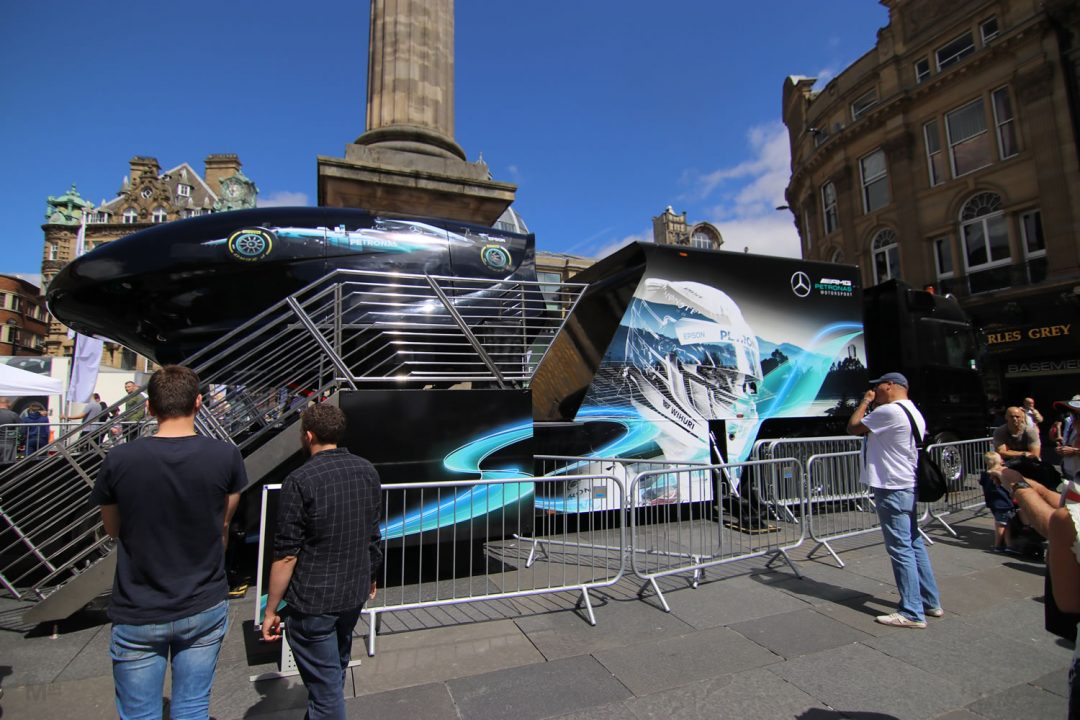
(325, 421)
(172, 391)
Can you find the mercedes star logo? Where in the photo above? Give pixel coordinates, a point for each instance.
(800, 284)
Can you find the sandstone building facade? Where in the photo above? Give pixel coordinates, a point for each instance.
(948, 156)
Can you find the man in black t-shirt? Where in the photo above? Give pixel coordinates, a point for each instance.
(168, 499)
(326, 557)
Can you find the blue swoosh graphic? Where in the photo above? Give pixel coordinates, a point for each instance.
(467, 503)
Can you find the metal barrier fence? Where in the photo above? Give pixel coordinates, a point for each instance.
(790, 492)
(842, 506)
(457, 544)
(683, 520)
(963, 463)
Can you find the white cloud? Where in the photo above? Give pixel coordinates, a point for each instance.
(282, 198)
(605, 250)
(748, 193)
(773, 235)
(755, 186)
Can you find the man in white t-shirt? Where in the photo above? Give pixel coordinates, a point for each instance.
(889, 456)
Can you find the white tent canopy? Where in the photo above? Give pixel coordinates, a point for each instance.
(15, 382)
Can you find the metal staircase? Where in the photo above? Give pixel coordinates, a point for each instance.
(347, 331)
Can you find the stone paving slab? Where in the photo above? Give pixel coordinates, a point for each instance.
(947, 650)
(799, 633)
(425, 702)
(426, 656)
(825, 583)
(857, 678)
(722, 602)
(37, 658)
(625, 622)
(859, 613)
(750, 695)
(1021, 701)
(87, 699)
(536, 691)
(682, 659)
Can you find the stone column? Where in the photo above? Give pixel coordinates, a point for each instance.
(410, 92)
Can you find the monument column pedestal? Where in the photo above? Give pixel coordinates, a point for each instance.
(407, 161)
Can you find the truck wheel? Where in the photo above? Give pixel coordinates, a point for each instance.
(952, 461)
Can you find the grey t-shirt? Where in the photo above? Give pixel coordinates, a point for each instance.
(1028, 438)
(9, 435)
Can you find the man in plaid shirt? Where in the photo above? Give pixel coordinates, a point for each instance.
(326, 558)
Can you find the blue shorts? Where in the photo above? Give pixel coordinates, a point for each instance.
(1003, 517)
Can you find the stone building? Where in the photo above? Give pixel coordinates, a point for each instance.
(670, 228)
(23, 318)
(948, 156)
(147, 196)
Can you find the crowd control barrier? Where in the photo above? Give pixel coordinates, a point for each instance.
(679, 527)
(839, 506)
(790, 492)
(470, 541)
(962, 462)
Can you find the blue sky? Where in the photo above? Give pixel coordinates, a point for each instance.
(603, 112)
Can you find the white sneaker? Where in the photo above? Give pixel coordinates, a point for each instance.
(898, 620)
(935, 612)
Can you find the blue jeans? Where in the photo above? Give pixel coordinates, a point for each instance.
(140, 653)
(907, 552)
(322, 647)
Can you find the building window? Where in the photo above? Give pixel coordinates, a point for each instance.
(969, 143)
(14, 303)
(863, 103)
(1003, 119)
(837, 255)
(943, 257)
(886, 256)
(102, 217)
(935, 159)
(1034, 246)
(703, 239)
(922, 71)
(989, 30)
(183, 190)
(1031, 227)
(955, 51)
(828, 204)
(820, 136)
(158, 215)
(53, 251)
(875, 181)
(986, 242)
(131, 216)
(808, 235)
(550, 283)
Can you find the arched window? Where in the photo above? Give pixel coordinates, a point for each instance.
(837, 255)
(985, 235)
(131, 216)
(158, 215)
(886, 255)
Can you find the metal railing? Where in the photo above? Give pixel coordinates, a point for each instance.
(685, 520)
(347, 330)
(843, 506)
(459, 545)
(962, 462)
(790, 492)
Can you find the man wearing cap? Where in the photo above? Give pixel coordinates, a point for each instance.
(889, 456)
(1069, 439)
(1016, 440)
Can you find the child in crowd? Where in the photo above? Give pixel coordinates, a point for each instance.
(998, 501)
